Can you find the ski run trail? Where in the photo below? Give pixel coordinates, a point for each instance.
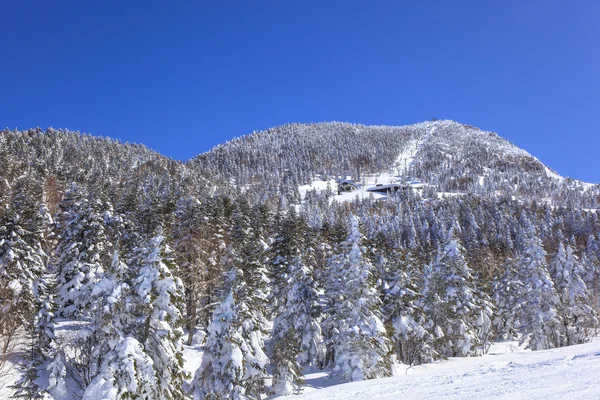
(506, 372)
(407, 157)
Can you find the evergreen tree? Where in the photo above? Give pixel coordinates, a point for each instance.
(286, 246)
(25, 292)
(57, 374)
(83, 251)
(234, 362)
(508, 293)
(296, 289)
(412, 342)
(590, 260)
(156, 301)
(22, 259)
(39, 348)
(127, 372)
(458, 313)
(574, 308)
(296, 330)
(106, 332)
(539, 319)
(287, 375)
(222, 372)
(360, 340)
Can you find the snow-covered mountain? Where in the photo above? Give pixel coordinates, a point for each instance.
(450, 156)
(335, 249)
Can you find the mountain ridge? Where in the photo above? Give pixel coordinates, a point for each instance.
(455, 157)
(272, 129)
(456, 238)
(424, 124)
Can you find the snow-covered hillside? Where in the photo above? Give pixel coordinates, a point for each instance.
(565, 373)
(448, 156)
(199, 280)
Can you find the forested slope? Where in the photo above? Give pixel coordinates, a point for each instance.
(113, 258)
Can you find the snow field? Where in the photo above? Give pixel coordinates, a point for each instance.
(506, 372)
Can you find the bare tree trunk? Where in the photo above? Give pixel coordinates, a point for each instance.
(192, 317)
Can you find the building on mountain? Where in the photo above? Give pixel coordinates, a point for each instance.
(395, 186)
(389, 188)
(346, 185)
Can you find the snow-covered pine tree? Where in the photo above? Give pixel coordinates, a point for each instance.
(296, 330)
(590, 259)
(577, 316)
(39, 347)
(22, 260)
(122, 367)
(412, 343)
(127, 373)
(156, 301)
(83, 251)
(25, 287)
(459, 314)
(57, 375)
(304, 304)
(284, 248)
(539, 320)
(287, 371)
(508, 290)
(234, 362)
(332, 242)
(222, 373)
(359, 337)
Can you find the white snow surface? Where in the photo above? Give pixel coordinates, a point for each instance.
(507, 372)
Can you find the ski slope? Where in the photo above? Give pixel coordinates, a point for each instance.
(565, 373)
(407, 157)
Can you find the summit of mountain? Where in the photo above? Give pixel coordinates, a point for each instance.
(447, 155)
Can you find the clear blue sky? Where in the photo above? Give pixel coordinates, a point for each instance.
(183, 76)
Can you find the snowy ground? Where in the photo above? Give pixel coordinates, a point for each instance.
(7, 377)
(192, 358)
(565, 373)
(507, 372)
